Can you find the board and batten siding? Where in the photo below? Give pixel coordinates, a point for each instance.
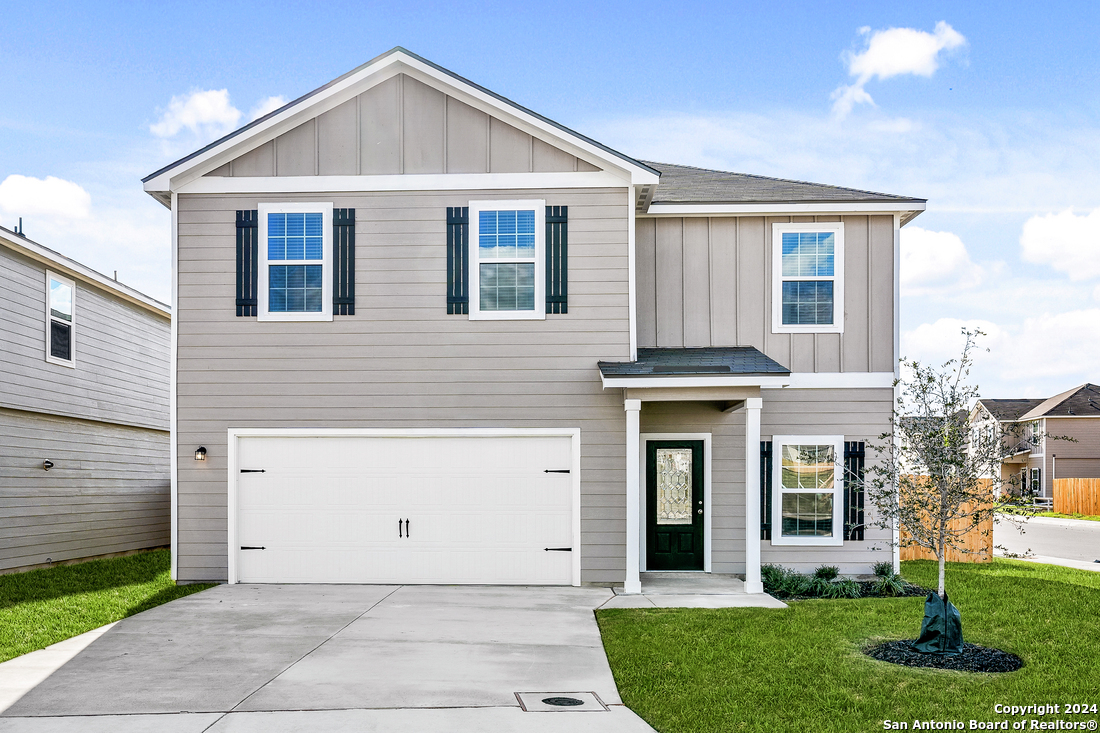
(108, 490)
(707, 281)
(402, 125)
(857, 414)
(401, 361)
(122, 353)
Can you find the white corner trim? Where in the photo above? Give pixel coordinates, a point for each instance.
(173, 430)
(632, 277)
(733, 380)
(233, 470)
(401, 182)
(708, 503)
(762, 209)
(839, 380)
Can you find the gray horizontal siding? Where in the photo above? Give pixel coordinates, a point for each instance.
(107, 492)
(708, 282)
(401, 361)
(122, 353)
(857, 414)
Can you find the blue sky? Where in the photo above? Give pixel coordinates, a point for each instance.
(991, 112)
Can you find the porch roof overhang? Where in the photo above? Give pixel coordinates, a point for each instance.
(690, 369)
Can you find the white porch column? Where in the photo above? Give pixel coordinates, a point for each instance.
(633, 582)
(753, 406)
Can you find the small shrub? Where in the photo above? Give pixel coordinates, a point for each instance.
(890, 585)
(773, 577)
(846, 588)
(827, 572)
(883, 569)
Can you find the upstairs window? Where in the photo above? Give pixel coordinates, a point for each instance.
(60, 320)
(507, 267)
(295, 268)
(808, 278)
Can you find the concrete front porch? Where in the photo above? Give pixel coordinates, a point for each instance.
(691, 590)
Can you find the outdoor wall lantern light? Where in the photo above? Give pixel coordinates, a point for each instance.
(200, 454)
(47, 465)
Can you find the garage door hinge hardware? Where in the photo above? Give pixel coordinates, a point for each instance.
(253, 470)
(556, 470)
(252, 548)
(558, 549)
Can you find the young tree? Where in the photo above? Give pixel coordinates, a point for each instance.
(933, 481)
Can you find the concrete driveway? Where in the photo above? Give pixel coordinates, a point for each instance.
(330, 657)
(1074, 543)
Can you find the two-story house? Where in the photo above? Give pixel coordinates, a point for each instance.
(84, 384)
(426, 335)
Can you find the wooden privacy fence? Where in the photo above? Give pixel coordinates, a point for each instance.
(978, 543)
(1077, 495)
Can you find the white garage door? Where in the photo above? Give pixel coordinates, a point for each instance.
(428, 509)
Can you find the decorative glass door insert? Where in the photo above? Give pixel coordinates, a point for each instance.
(674, 505)
(674, 485)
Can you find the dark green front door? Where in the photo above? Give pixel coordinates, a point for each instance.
(674, 505)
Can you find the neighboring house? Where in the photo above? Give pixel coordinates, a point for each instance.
(426, 335)
(84, 384)
(1038, 456)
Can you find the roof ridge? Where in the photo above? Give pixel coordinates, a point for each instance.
(757, 176)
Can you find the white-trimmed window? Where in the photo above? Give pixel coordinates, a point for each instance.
(507, 267)
(295, 263)
(808, 278)
(808, 478)
(60, 320)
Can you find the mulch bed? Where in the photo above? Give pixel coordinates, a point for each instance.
(973, 658)
(866, 590)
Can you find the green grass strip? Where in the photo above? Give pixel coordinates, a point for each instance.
(801, 669)
(1055, 515)
(43, 607)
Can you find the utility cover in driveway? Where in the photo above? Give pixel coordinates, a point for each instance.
(426, 509)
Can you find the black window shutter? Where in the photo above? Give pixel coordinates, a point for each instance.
(248, 234)
(458, 260)
(765, 489)
(557, 259)
(343, 262)
(854, 456)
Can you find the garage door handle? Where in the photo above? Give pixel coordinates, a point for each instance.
(407, 535)
(253, 548)
(558, 549)
(399, 528)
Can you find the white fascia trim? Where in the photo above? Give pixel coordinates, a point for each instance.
(839, 380)
(708, 381)
(385, 68)
(708, 535)
(751, 209)
(402, 182)
(233, 470)
(75, 270)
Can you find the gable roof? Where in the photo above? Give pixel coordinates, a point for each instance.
(687, 184)
(71, 268)
(161, 182)
(1008, 410)
(1083, 401)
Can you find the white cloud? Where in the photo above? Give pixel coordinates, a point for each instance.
(25, 196)
(264, 106)
(207, 114)
(1065, 241)
(893, 52)
(936, 263)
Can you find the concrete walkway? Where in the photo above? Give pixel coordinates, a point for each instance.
(356, 658)
(692, 590)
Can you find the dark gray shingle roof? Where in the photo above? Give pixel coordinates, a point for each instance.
(1009, 409)
(709, 360)
(682, 184)
(1083, 401)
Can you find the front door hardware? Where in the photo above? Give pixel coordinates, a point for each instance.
(253, 470)
(557, 549)
(556, 470)
(252, 548)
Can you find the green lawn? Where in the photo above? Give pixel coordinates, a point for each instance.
(1056, 515)
(42, 607)
(801, 669)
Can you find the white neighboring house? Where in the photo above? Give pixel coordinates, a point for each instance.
(84, 384)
